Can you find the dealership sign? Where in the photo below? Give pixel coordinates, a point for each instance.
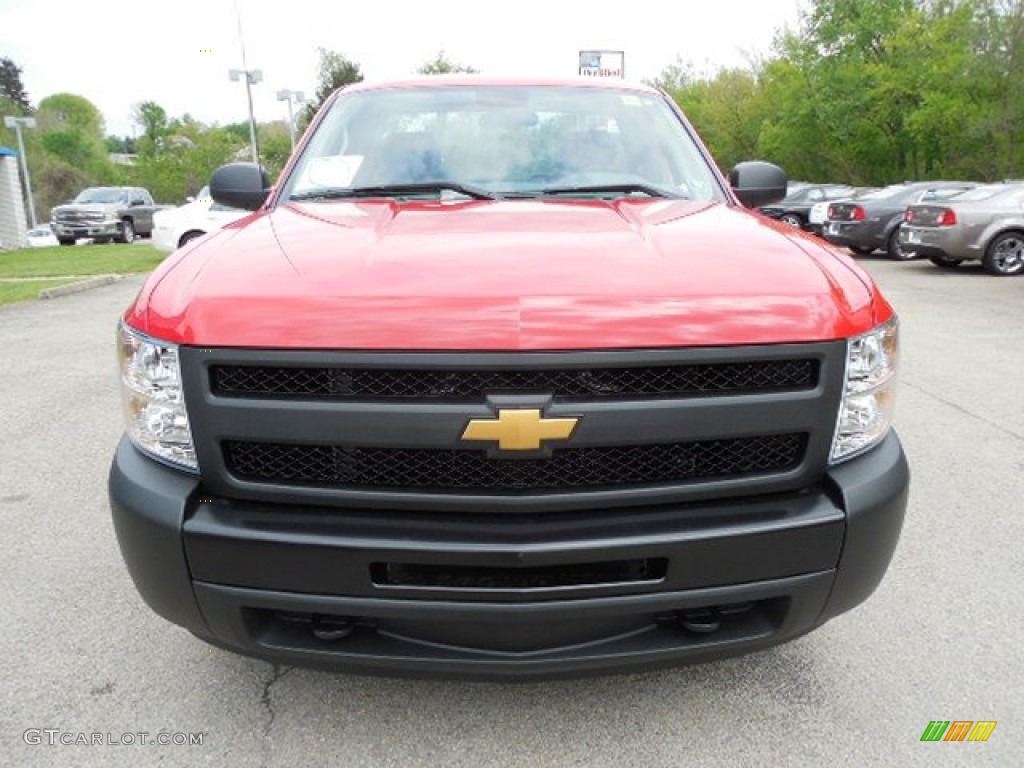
(603, 63)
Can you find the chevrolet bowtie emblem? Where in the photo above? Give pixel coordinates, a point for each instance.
(519, 430)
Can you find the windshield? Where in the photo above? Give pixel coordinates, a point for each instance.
(500, 140)
(941, 194)
(886, 192)
(838, 193)
(101, 195)
(982, 193)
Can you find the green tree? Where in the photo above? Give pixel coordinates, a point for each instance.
(54, 182)
(442, 65)
(275, 146)
(790, 133)
(152, 119)
(997, 68)
(11, 85)
(727, 110)
(71, 128)
(70, 111)
(874, 91)
(894, 88)
(849, 53)
(122, 145)
(239, 130)
(674, 78)
(8, 107)
(188, 155)
(336, 71)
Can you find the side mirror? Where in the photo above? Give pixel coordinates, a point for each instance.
(240, 185)
(757, 183)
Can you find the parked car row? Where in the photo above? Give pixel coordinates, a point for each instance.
(947, 221)
(121, 214)
(872, 221)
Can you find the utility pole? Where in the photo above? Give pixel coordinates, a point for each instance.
(252, 77)
(17, 123)
(298, 97)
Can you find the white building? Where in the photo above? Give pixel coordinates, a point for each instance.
(12, 206)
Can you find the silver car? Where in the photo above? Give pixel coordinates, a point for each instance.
(985, 223)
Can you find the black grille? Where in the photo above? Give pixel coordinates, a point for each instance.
(446, 470)
(456, 384)
(529, 577)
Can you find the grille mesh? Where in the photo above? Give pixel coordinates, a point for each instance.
(456, 384)
(74, 216)
(454, 470)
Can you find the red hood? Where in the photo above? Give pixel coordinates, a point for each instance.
(510, 275)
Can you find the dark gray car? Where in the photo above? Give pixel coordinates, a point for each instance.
(873, 221)
(105, 214)
(986, 223)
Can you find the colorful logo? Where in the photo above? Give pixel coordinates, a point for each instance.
(958, 730)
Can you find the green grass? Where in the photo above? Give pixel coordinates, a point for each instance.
(111, 258)
(27, 289)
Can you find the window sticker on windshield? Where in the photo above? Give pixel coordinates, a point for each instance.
(631, 100)
(331, 171)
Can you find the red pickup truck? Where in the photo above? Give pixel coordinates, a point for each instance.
(502, 379)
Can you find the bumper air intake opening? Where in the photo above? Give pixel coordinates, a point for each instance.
(454, 577)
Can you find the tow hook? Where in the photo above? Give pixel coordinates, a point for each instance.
(329, 628)
(703, 621)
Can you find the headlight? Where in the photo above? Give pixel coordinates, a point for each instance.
(869, 397)
(154, 404)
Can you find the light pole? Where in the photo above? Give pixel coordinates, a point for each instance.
(298, 97)
(17, 123)
(252, 76)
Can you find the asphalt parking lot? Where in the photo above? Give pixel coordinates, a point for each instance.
(941, 639)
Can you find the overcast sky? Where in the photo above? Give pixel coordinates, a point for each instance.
(178, 53)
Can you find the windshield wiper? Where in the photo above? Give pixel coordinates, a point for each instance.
(396, 190)
(624, 189)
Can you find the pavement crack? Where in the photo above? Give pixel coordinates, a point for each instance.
(957, 407)
(277, 672)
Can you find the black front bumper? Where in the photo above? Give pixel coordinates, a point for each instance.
(507, 597)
